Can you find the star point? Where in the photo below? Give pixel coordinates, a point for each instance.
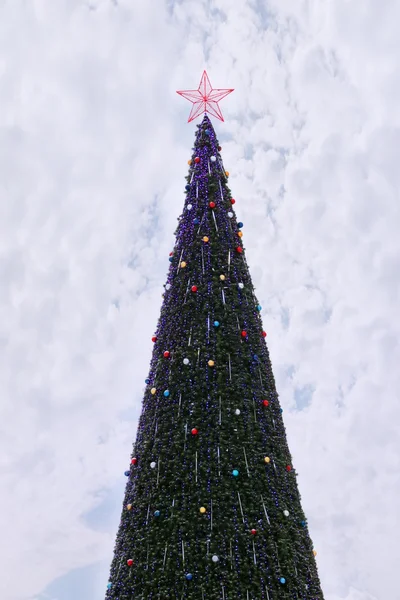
(205, 99)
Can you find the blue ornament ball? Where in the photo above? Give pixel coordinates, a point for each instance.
(255, 357)
(156, 513)
(166, 393)
(196, 221)
(281, 410)
(259, 307)
(189, 576)
(127, 473)
(109, 586)
(303, 523)
(282, 580)
(187, 187)
(216, 323)
(235, 472)
(207, 131)
(240, 225)
(171, 258)
(147, 380)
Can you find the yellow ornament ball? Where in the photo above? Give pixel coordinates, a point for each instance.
(189, 162)
(315, 552)
(183, 264)
(153, 391)
(203, 510)
(240, 233)
(227, 173)
(222, 277)
(211, 363)
(267, 459)
(205, 239)
(129, 506)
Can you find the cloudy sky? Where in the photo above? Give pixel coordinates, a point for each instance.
(94, 144)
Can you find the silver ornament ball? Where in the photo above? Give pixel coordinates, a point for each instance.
(153, 465)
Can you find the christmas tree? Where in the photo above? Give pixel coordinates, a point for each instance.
(212, 508)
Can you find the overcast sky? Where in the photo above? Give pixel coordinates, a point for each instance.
(94, 144)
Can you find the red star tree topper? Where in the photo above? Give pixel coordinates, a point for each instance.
(205, 99)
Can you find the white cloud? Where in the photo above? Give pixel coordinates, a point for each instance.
(93, 150)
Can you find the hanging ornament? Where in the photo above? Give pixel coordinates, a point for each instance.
(171, 259)
(213, 158)
(264, 334)
(244, 334)
(205, 239)
(194, 288)
(288, 468)
(203, 510)
(240, 234)
(281, 410)
(222, 277)
(187, 187)
(153, 465)
(186, 361)
(215, 558)
(134, 461)
(189, 206)
(109, 585)
(168, 286)
(239, 249)
(211, 363)
(267, 459)
(235, 472)
(259, 307)
(240, 225)
(216, 323)
(237, 412)
(194, 431)
(189, 162)
(154, 338)
(166, 354)
(156, 513)
(227, 173)
(147, 381)
(207, 131)
(303, 523)
(219, 148)
(211, 204)
(153, 391)
(286, 513)
(129, 562)
(183, 264)
(282, 580)
(253, 531)
(265, 403)
(233, 201)
(127, 473)
(315, 552)
(240, 286)
(230, 214)
(197, 159)
(129, 507)
(196, 221)
(189, 576)
(166, 393)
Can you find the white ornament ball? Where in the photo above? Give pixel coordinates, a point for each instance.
(189, 207)
(241, 286)
(237, 412)
(215, 558)
(286, 513)
(153, 465)
(213, 158)
(230, 215)
(168, 286)
(186, 361)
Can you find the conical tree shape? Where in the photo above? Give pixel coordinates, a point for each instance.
(212, 509)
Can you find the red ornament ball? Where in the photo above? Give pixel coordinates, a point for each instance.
(233, 201)
(194, 288)
(129, 562)
(171, 253)
(154, 338)
(244, 334)
(264, 334)
(212, 205)
(195, 431)
(219, 148)
(265, 402)
(166, 354)
(288, 468)
(134, 461)
(253, 531)
(197, 159)
(239, 249)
